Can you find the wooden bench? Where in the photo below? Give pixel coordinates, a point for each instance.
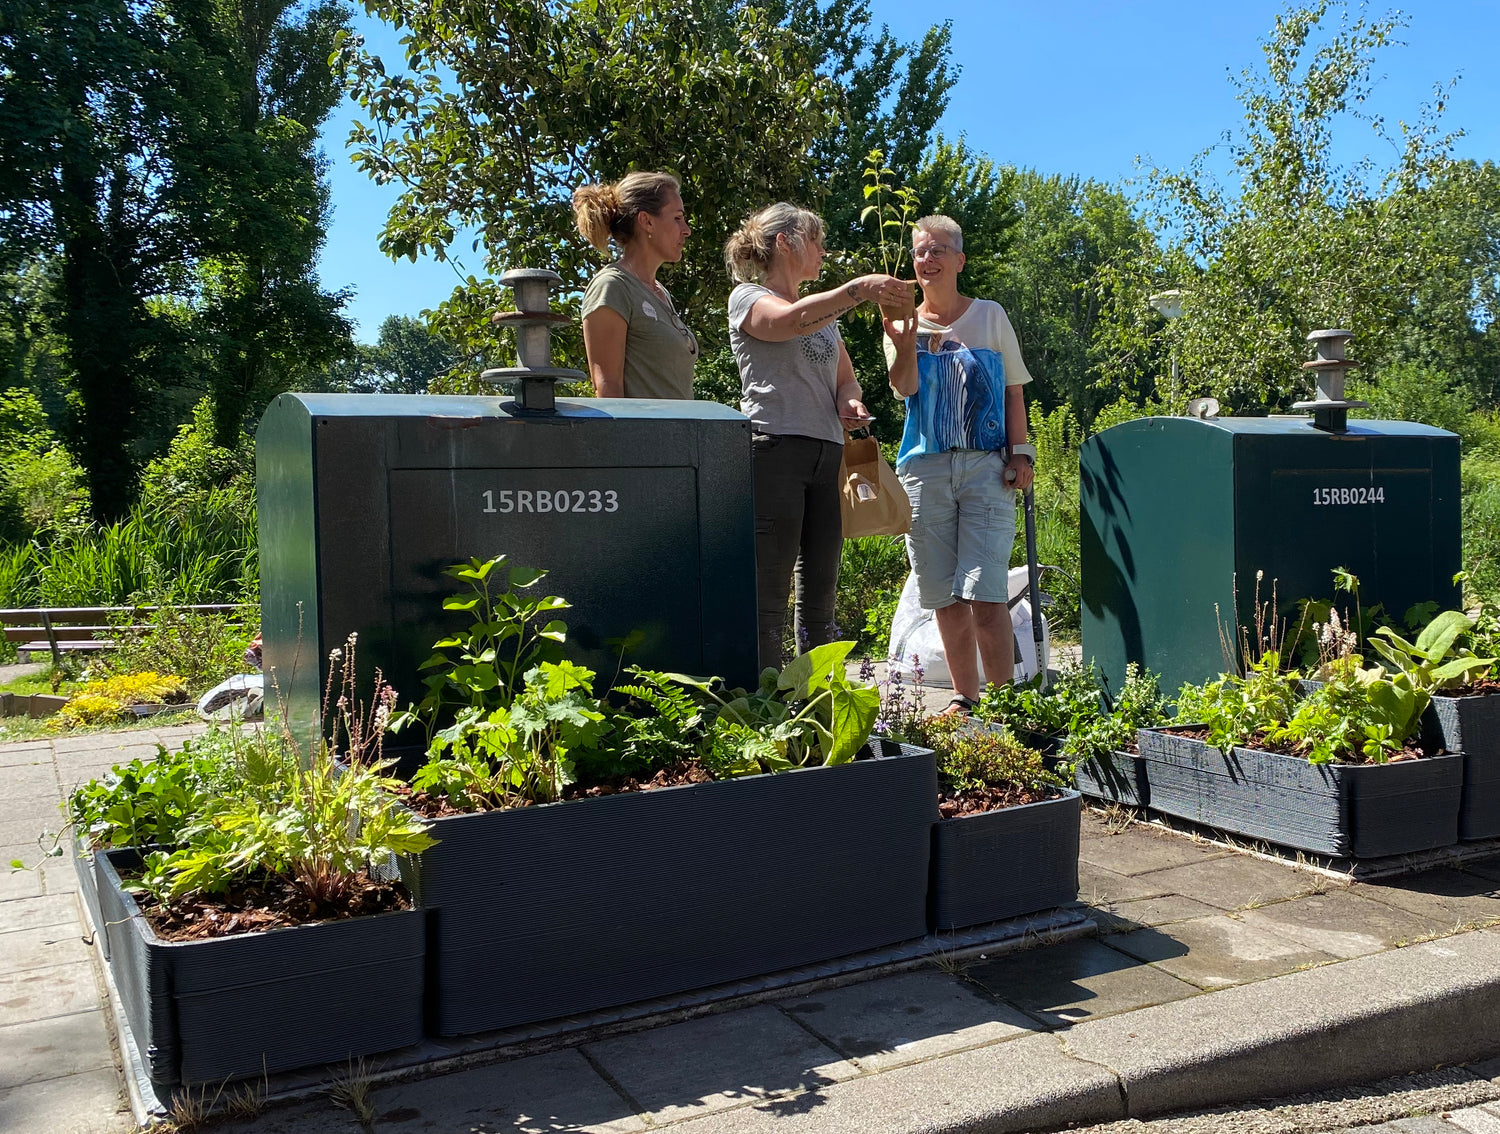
(70, 629)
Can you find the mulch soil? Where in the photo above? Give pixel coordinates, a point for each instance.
(691, 772)
(951, 806)
(267, 903)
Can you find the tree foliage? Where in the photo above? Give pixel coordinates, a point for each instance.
(1304, 242)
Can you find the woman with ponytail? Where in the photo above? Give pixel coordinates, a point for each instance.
(799, 391)
(638, 346)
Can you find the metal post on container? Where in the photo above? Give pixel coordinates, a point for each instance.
(1330, 409)
(533, 320)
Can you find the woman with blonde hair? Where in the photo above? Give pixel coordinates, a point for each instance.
(637, 344)
(799, 391)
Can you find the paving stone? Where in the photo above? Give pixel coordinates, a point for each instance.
(25, 752)
(1137, 850)
(1100, 884)
(886, 1023)
(1341, 923)
(22, 949)
(28, 781)
(1077, 980)
(15, 884)
(1449, 897)
(15, 832)
(317, 1116)
(1218, 951)
(34, 913)
(716, 1062)
(57, 990)
(88, 1103)
(1476, 1119)
(1232, 883)
(53, 1048)
(543, 1093)
(1423, 1124)
(58, 877)
(1122, 917)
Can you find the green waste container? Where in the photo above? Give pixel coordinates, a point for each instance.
(1180, 517)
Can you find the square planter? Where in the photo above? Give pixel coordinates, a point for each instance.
(1345, 810)
(1004, 863)
(540, 912)
(239, 1007)
(1471, 726)
(1120, 777)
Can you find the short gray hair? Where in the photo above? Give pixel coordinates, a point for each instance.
(939, 225)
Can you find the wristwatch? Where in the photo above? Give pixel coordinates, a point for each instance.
(1027, 451)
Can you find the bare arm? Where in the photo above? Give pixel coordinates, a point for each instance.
(604, 340)
(903, 336)
(1015, 434)
(775, 320)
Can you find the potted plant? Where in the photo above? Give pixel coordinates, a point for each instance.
(1464, 716)
(267, 939)
(678, 836)
(1337, 772)
(894, 209)
(1007, 840)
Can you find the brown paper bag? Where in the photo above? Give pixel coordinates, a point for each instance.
(871, 497)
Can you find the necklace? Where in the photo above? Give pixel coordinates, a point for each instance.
(652, 284)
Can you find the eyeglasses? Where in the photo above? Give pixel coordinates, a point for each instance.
(933, 252)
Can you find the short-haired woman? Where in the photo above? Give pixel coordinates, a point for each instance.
(799, 391)
(963, 457)
(637, 344)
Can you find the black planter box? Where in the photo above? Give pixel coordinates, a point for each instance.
(239, 1007)
(1471, 726)
(1005, 863)
(539, 912)
(1345, 810)
(1120, 777)
(88, 889)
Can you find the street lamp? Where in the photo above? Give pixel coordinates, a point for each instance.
(1168, 305)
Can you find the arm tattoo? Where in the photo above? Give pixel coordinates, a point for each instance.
(811, 322)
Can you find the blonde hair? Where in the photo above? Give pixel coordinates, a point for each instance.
(750, 251)
(939, 225)
(603, 212)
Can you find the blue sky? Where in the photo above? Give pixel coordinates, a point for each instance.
(1064, 86)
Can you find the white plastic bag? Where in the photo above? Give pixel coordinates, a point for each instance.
(241, 697)
(914, 636)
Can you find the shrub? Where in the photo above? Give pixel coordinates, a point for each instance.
(200, 647)
(871, 573)
(100, 702)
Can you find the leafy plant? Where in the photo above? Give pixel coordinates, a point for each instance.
(480, 671)
(973, 757)
(317, 819)
(669, 728)
(1236, 709)
(809, 713)
(1436, 660)
(110, 698)
(203, 648)
(894, 210)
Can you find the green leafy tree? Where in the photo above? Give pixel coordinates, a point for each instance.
(1304, 242)
(405, 359)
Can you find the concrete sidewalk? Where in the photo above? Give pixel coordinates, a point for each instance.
(1191, 974)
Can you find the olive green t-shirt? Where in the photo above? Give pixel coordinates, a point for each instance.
(659, 349)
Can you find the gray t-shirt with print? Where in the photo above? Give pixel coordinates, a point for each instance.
(659, 349)
(787, 387)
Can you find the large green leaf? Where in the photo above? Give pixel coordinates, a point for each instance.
(1438, 636)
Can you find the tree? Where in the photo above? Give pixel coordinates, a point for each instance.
(405, 359)
(1304, 243)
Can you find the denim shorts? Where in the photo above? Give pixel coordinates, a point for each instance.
(963, 526)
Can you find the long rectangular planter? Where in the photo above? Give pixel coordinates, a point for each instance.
(88, 888)
(1347, 810)
(1120, 777)
(540, 912)
(239, 1007)
(1004, 863)
(1471, 726)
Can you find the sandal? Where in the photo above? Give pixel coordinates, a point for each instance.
(960, 706)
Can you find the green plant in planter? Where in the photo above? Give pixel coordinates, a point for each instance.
(317, 819)
(482, 669)
(975, 758)
(1095, 734)
(522, 753)
(1437, 659)
(1236, 709)
(894, 209)
(809, 713)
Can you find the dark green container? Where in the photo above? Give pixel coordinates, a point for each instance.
(641, 512)
(1179, 517)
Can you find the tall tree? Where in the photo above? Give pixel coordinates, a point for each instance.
(1303, 242)
(267, 322)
